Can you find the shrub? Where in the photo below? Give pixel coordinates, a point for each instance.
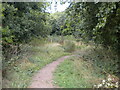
(69, 46)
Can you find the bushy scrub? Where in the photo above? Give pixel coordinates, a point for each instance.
(69, 46)
(103, 58)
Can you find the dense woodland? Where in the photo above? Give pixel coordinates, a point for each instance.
(91, 23)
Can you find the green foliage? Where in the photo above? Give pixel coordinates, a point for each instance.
(7, 36)
(57, 21)
(96, 21)
(25, 23)
(21, 22)
(105, 59)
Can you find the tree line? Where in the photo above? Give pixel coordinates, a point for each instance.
(21, 21)
(98, 22)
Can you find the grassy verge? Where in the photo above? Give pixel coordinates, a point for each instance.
(77, 73)
(39, 55)
(89, 68)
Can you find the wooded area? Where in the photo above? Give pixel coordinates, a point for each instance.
(27, 27)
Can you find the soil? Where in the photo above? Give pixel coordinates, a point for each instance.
(44, 77)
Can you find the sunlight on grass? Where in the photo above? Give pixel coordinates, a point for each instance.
(87, 69)
(76, 73)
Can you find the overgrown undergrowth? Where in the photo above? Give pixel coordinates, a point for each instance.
(19, 76)
(90, 66)
(76, 73)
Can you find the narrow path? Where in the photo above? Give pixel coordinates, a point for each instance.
(44, 77)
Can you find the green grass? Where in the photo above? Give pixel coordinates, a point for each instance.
(20, 75)
(90, 67)
(105, 59)
(76, 73)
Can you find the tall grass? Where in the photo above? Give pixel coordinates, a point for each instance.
(77, 73)
(103, 58)
(92, 64)
(69, 46)
(36, 56)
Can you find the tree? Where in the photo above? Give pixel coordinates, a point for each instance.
(21, 21)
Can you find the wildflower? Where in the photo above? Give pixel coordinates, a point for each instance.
(109, 79)
(95, 85)
(108, 84)
(116, 86)
(116, 83)
(99, 85)
(111, 84)
(103, 81)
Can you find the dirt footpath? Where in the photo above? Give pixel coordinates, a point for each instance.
(44, 77)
